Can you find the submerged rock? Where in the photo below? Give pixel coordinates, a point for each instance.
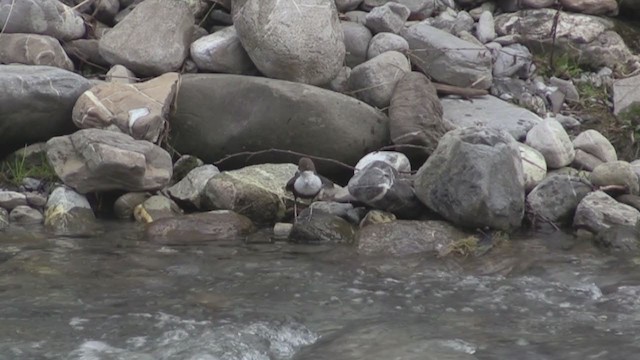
(217, 225)
(4, 219)
(25, 215)
(315, 226)
(124, 206)
(154, 208)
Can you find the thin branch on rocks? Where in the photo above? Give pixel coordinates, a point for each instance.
(82, 3)
(250, 154)
(554, 35)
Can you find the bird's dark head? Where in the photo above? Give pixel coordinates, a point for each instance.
(306, 164)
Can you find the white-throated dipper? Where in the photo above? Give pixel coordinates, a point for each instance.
(306, 183)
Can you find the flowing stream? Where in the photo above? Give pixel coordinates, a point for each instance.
(116, 296)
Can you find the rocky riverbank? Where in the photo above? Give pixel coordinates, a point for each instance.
(439, 118)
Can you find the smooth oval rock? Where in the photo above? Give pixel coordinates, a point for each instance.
(290, 42)
(222, 225)
(25, 215)
(553, 142)
(152, 40)
(11, 199)
(222, 52)
(356, 42)
(374, 80)
(36, 103)
(594, 143)
(283, 115)
(383, 42)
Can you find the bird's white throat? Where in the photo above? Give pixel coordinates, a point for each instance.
(308, 184)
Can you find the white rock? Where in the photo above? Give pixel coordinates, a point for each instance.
(550, 138)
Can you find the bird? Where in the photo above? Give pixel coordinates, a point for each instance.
(306, 183)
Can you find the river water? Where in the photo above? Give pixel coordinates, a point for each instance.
(117, 296)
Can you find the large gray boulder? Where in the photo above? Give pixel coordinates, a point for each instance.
(474, 178)
(217, 115)
(100, 160)
(556, 197)
(36, 104)
(491, 112)
(45, 17)
(447, 58)
(152, 40)
(31, 49)
(292, 42)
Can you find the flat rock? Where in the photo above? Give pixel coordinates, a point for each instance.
(222, 52)
(307, 47)
(550, 139)
(407, 237)
(448, 59)
(190, 190)
(139, 110)
(36, 103)
(45, 17)
(222, 225)
(282, 115)
(99, 160)
(474, 178)
(11, 199)
(557, 196)
(69, 213)
(375, 80)
(599, 211)
(491, 112)
(152, 40)
(257, 191)
(32, 49)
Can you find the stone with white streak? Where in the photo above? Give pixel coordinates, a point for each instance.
(45, 17)
(31, 49)
(139, 110)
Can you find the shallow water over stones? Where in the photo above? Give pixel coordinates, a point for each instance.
(117, 296)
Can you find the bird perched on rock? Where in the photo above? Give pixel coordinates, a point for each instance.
(306, 183)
